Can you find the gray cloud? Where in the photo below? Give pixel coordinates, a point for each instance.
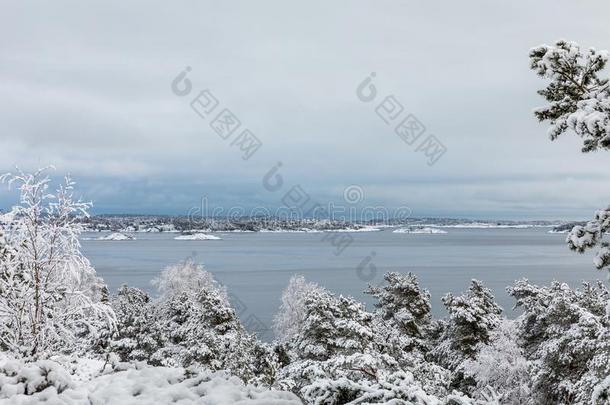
(87, 88)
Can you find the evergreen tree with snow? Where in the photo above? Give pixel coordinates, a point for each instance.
(565, 334)
(136, 338)
(332, 326)
(335, 341)
(579, 100)
(197, 325)
(472, 318)
(403, 311)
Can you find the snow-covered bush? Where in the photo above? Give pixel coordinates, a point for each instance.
(332, 326)
(334, 341)
(18, 378)
(395, 388)
(404, 329)
(50, 296)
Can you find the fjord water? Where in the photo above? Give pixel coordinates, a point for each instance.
(255, 267)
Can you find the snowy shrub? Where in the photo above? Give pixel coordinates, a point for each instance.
(200, 330)
(50, 296)
(191, 324)
(27, 379)
(391, 389)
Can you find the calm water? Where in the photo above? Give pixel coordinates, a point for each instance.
(256, 267)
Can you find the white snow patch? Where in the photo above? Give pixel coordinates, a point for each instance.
(116, 236)
(364, 229)
(425, 230)
(148, 385)
(197, 236)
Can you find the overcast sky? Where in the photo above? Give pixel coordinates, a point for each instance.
(86, 87)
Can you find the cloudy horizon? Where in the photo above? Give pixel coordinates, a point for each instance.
(88, 89)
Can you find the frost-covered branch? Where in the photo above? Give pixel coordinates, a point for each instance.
(49, 293)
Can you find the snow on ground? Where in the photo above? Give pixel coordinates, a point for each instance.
(197, 236)
(419, 230)
(116, 236)
(49, 383)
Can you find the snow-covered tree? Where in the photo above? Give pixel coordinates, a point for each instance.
(291, 314)
(190, 278)
(501, 366)
(333, 325)
(579, 100)
(472, 318)
(136, 337)
(197, 326)
(50, 296)
(403, 311)
(335, 341)
(565, 334)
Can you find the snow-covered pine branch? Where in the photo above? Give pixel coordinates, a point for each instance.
(579, 99)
